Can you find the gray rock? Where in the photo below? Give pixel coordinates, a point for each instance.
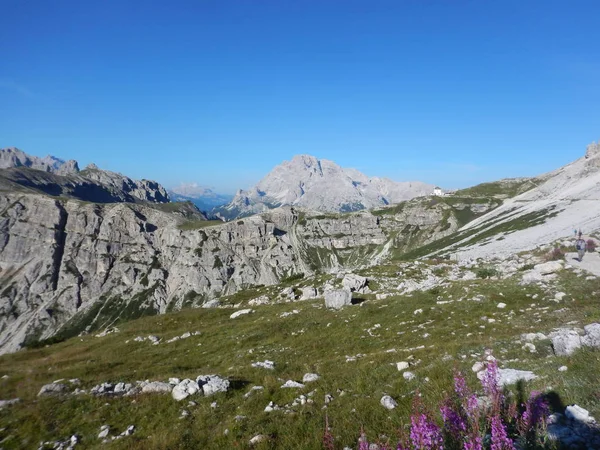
(4, 403)
(565, 342)
(388, 402)
(211, 384)
(510, 376)
(157, 387)
(308, 293)
(592, 335)
(241, 312)
(548, 267)
(338, 298)
(104, 430)
(292, 384)
(578, 413)
(184, 389)
(53, 389)
(354, 283)
(310, 377)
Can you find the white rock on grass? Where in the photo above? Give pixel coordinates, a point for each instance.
(257, 439)
(241, 312)
(409, 376)
(501, 305)
(266, 364)
(310, 377)
(402, 365)
(292, 384)
(184, 389)
(563, 368)
(53, 389)
(478, 367)
(355, 282)
(510, 376)
(12, 401)
(388, 402)
(592, 335)
(579, 414)
(549, 267)
(529, 347)
(532, 337)
(211, 384)
(308, 293)
(157, 387)
(104, 430)
(565, 342)
(338, 298)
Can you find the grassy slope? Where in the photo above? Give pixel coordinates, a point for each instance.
(315, 340)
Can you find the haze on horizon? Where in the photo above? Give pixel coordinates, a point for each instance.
(218, 93)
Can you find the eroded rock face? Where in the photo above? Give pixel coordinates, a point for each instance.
(63, 261)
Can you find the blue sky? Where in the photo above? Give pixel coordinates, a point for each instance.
(219, 92)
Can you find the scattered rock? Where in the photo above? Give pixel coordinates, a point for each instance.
(478, 367)
(565, 342)
(257, 439)
(211, 384)
(510, 376)
(355, 283)
(184, 389)
(12, 401)
(578, 413)
(308, 292)
(292, 384)
(262, 300)
(402, 365)
(241, 312)
(104, 430)
(501, 305)
(53, 389)
(529, 347)
(409, 376)
(388, 402)
(549, 267)
(310, 377)
(563, 369)
(266, 364)
(156, 387)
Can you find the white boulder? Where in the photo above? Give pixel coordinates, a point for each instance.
(388, 402)
(338, 298)
(241, 312)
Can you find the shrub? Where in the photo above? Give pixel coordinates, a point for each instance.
(498, 423)
(591, 245)
(486, 272)
(555, 255)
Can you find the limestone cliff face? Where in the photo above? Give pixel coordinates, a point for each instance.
(68, 266)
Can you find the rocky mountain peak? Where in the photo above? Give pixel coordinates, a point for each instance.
(320, 185)
(592, 150)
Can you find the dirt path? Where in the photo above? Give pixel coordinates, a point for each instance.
(590, 263)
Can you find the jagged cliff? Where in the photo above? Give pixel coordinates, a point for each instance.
(69, 266)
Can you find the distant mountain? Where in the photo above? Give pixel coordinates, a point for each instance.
(204, 198)
(51, 175)
(13, 157)
(320, 185)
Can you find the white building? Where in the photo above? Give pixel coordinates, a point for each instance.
(438, 191)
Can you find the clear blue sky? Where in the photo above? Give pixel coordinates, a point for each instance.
(219, 92)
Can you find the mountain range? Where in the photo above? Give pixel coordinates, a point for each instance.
(320, 185)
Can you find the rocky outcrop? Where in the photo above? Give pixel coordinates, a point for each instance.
(13, 157)
(69, 267)
(56, 177)
(320, 185)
